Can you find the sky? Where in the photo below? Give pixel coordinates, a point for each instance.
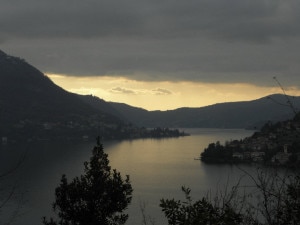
(159, 55)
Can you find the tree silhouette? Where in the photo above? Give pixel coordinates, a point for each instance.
(277, 202)
(199, 212)
(99, 196)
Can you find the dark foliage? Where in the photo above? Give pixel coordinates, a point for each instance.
(291, 212)
(216, 153)
(277, 203)
(201, 212)
(99, 196)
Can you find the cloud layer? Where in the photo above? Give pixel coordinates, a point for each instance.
(207, 41)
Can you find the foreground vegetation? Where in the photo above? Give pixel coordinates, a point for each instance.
(274, 199)
(99, 196)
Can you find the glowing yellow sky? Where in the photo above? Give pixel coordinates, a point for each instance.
(164, 95)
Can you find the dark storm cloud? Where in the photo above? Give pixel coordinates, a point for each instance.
(246, 19)
(69, 18)
(207, 40)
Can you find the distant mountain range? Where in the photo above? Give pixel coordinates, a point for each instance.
(245, 114)
(32, 105)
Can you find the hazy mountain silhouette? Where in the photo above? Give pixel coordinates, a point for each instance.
(31, 102)
(246, 114)
(29, 98)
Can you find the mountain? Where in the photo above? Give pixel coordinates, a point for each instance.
(31, 105)
(101, 105)
(245, 114)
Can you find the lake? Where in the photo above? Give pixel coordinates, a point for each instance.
(158, 168)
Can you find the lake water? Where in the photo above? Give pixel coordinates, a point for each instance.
(157, 168)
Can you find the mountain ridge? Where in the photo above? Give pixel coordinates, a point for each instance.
(243, 114)
(30, 101)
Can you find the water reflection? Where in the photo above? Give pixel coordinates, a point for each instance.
(158, 169)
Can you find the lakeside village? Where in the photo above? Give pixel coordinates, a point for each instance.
(77, 130)
(275, 144)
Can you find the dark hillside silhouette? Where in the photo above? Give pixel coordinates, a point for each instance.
(31, 105)
(245, 114)
(31, 102)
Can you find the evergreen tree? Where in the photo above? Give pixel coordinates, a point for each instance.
(99, 196)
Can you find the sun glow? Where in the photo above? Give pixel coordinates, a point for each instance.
(163, 95)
